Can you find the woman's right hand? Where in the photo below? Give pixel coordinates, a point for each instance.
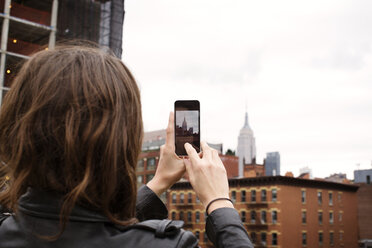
(208, 176)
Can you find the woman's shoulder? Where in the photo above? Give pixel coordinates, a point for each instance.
(149, 233)
(159, 233)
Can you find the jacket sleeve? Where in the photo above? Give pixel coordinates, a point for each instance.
(149, 206)
(225, 229)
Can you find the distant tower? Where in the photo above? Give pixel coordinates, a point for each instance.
(272, 164)
(184, 125)
(246, 146)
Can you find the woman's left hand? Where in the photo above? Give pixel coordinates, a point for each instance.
(170, 167)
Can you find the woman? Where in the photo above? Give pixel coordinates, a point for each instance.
(70, 135)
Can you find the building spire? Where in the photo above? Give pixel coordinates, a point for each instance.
(246, 120)
(246, 124)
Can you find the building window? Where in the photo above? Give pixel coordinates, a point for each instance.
(189, 217)
(174, 198)
(140, 165)
(263, 239)
(189, 198)
(197, 199)
(173, 215)
(340, 216)
(253, 237)
(341, 236)
(233, 196)
(331, 218)
(273, 195)
(182, 198)
(331, 238)
(320, 238)
(253, 196)
(263, 195)
(151, 164)
(243, 216)
(330, 198)
(263, 216)
(274, 239)
(303, 196)
(149, 177)
(197, 234)
(274, 217)
(197, 217)
(243, 195)
(140, 179)
(320, 218)
(303, 217)
(181, 215)
(253, 217)
(320, 197)
(368, 179)
(304, 239)
(339, 196)
(205, 237)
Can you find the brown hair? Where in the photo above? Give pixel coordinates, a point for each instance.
(72, 123)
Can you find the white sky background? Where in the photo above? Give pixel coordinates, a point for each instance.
(304, 69)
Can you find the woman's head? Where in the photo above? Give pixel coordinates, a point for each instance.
(72, 123)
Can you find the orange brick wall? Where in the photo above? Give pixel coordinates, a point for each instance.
(289, 207)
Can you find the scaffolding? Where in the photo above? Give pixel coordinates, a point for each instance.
(31, 25)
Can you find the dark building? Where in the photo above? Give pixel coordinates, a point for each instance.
(272, 164)
(363, 176)
(31, 25)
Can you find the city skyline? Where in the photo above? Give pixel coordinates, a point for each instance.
(191, 117)
(302, 69)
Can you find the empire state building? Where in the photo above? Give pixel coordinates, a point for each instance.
(246, 150)
(184, 125)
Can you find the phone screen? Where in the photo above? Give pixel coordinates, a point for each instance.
(187, 125)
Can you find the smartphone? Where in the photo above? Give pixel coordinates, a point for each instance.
(186, 125)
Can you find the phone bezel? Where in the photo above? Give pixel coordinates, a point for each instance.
(180, 105)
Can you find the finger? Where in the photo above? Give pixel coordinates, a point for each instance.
(193, 155)
(216, 158)
(169, 140)
(207, 151)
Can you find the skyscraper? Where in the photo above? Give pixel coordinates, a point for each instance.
(246, 150)
(272, 164)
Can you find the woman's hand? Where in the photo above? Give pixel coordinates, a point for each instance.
(170, 167)
(208, 176)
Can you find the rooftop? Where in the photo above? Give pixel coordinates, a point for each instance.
(281, 180)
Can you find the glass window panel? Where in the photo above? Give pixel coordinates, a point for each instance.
(253, 195)
(274, 195)
(263, 195)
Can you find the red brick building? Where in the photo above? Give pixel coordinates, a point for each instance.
(364, 195)
(280, 211)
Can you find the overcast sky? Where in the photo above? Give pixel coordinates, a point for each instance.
(302, 68)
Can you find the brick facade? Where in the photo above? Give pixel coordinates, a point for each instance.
(280, 211)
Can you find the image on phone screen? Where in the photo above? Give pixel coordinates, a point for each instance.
(186, 127)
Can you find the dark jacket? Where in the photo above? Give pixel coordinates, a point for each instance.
(39, 215)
